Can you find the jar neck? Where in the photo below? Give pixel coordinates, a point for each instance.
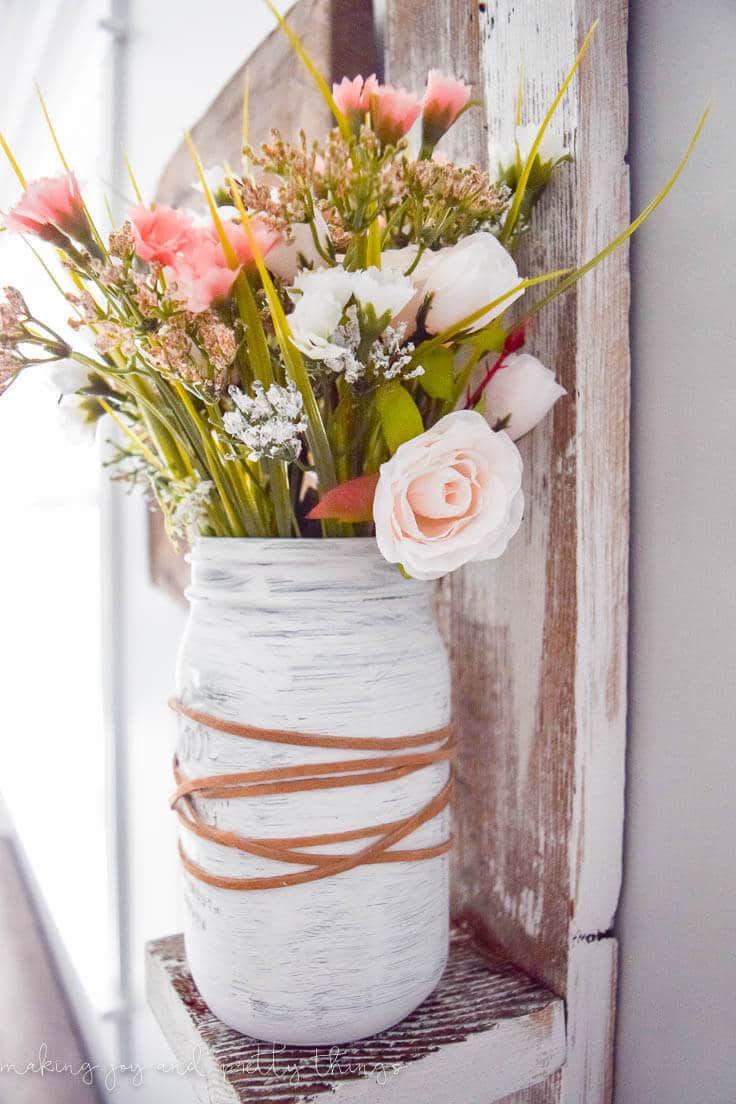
(289, 573)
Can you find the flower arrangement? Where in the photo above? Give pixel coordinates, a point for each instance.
(337, 348)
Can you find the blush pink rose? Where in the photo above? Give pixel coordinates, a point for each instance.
(444, 101)
(448, 497)
(50, 205)
(161, 234)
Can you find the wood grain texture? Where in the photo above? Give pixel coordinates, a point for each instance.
(538, 638)
(487, 1030)
(339, 37)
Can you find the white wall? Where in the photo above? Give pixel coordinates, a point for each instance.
(677, 1013)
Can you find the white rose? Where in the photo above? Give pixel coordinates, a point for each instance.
(283, 259)
(450, 496)
(400, 260)
(524, 389)
(466, 276)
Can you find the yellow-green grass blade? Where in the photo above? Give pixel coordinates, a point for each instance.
(67, 168)
(577, 273)
(13, 163)
(230, 255)
(312, 69)
(513, 214)
(458, 327)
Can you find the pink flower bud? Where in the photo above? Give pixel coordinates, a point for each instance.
(353, 98)
(444, 100)
(49, 207)
(393, 112)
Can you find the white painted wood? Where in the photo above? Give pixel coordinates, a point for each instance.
(539, 637)
(588, 1073)
(488, 1030)
(320, 637)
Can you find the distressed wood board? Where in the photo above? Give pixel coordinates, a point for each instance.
(538, 638)
(488, 1030)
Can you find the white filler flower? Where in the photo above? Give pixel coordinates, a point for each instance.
(269, 422)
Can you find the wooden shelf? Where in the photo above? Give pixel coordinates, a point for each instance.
(488, 1030)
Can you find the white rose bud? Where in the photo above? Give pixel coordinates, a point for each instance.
(466, 276)
(522, 389)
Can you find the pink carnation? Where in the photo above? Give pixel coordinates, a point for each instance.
(161, 234)
(265, 238)
(393, 112)
(48, 206)
(353, 98)
(201, 270)
(444, 99)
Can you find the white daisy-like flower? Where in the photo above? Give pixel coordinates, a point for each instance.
(322, 295)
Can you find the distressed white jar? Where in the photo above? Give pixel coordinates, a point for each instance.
(317, 636)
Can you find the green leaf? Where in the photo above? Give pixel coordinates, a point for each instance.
(438, 379)
(399, 414)
(490, 339)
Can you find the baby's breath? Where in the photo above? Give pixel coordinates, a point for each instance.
(268, 422)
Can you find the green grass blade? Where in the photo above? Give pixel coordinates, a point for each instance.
(512, 216)
(292, 357)
(13, 163)
(312, 69)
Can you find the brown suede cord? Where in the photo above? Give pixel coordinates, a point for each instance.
(313, 776)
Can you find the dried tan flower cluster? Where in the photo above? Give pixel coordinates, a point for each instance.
(197, 348)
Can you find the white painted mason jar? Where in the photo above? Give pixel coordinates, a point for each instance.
(314, 636)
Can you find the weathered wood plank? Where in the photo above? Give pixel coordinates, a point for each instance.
(487, 1030)
(539, 637)
(338, 35)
